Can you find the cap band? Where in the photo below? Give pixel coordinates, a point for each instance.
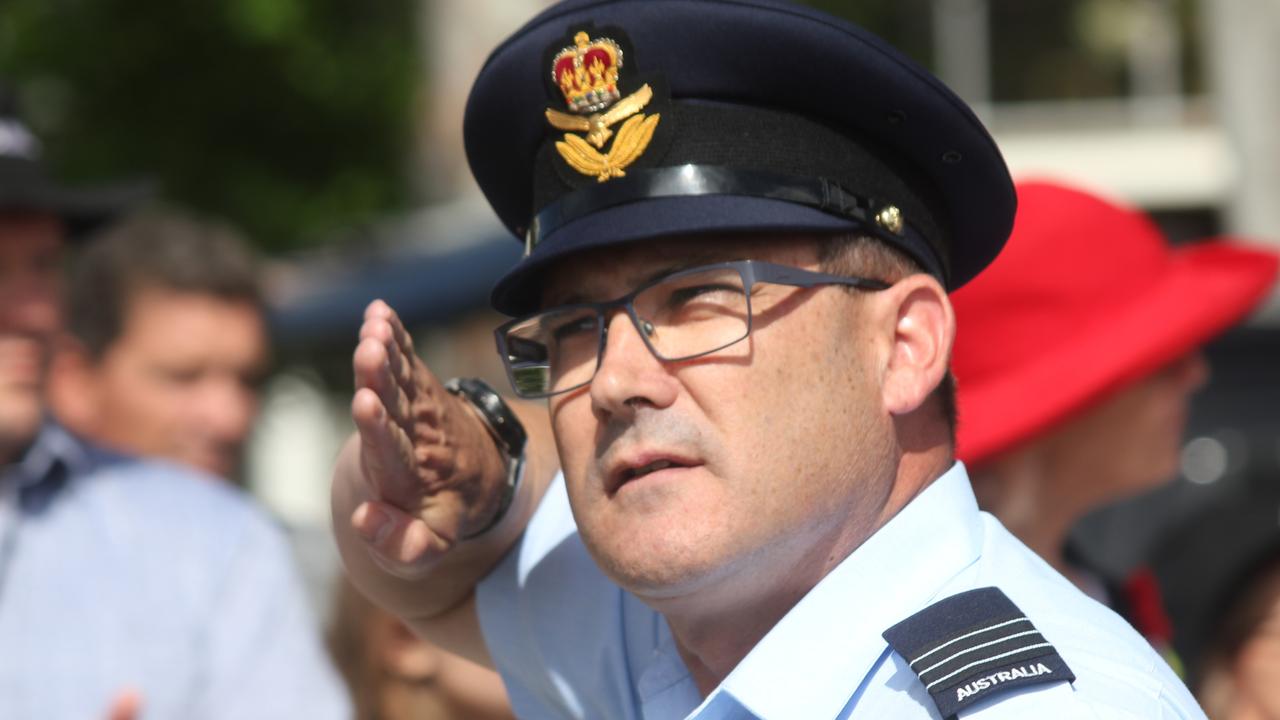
(691, 180)
(702, 148)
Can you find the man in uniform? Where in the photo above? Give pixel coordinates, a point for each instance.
(741, 221)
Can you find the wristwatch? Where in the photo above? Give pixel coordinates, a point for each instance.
(507, 433)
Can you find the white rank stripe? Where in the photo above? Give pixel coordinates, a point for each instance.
(997, 641)
(976, 663)
(969, 635)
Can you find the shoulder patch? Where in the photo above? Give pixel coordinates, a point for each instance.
(974, 645)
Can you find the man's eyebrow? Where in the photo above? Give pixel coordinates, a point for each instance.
(666, 270)
(694, 259)
(704, 257)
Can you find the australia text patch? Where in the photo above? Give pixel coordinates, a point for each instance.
(972, 646)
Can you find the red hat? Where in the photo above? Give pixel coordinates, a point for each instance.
(1086, 297)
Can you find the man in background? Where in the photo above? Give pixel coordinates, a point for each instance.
(169, 342)
(125, 586)
(168, 348)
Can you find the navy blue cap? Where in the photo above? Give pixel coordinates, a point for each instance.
(25, 183)
(616, 121)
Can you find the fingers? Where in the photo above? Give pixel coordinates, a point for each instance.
(380, 331)
(383, 324)
(373, 371)
(380, 310)
(401, 543)
(385, 449)
(405, 380)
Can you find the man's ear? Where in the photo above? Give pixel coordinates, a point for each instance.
(72, 388)
(923, 331)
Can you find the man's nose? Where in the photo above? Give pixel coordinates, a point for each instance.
(228, 409)
(629, 374)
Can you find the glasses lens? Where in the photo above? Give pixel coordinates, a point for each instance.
(694, 313)
(553, 351)
(688, 314)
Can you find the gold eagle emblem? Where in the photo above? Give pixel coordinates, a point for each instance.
(597, 126)
(633, 138)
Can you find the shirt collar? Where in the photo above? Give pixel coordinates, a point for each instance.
(823, 649)
(53, 452)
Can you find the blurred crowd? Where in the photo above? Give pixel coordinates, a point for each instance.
(129, 387)
(138, 578)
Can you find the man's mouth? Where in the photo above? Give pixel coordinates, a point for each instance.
(633, 473)
(641, 467)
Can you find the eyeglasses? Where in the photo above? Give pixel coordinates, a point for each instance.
(686, 314)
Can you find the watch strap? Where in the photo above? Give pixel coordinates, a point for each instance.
(507, 432)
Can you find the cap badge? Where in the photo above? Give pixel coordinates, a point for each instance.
(890, 218)
(587, 75)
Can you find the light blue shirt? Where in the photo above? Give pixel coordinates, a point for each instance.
(121, 574)
(570, 644)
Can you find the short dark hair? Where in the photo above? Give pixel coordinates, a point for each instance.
(868, 256)
(160, 248)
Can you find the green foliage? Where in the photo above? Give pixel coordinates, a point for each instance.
(905, 24)
(1039, 51)
(1078, 49)
(291, 118)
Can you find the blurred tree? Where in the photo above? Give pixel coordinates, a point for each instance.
(1072, 49)
(292, 118)
(1080, 49)
(906, 24)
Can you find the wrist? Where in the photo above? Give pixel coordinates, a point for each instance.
(508, 436)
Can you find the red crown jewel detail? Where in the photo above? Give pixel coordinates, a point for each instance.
(587, 73)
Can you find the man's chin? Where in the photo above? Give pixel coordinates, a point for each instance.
(210, 462)
(659, 566)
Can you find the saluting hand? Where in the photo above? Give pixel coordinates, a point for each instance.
(433, 474)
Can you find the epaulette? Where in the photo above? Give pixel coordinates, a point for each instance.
(971, 646)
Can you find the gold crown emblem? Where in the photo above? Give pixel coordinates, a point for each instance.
(587, 73)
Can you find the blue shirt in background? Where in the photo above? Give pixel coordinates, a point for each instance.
(118, 573)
